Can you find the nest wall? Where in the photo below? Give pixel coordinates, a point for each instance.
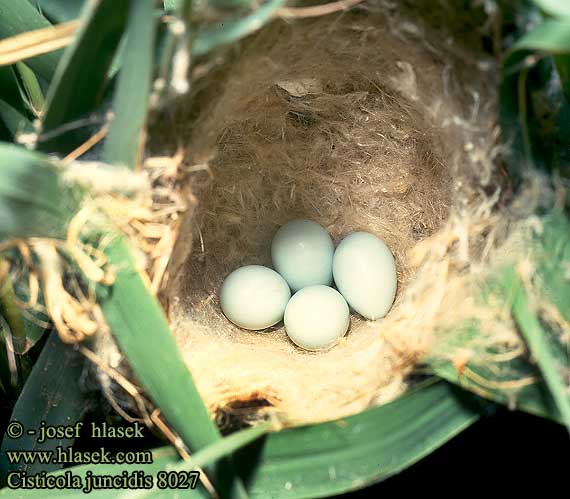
(369, 120)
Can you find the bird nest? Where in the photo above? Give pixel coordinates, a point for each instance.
(368, 120)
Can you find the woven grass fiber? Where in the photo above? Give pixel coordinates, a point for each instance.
(374, 119)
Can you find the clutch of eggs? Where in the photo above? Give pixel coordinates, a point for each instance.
(305, 261)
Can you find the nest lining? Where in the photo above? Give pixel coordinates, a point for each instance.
(349, 122)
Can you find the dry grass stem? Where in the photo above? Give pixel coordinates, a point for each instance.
(33, 43)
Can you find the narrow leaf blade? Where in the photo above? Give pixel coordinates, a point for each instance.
(19, 17)
(538, 344)
(51, 396)
(14, 120)
(60, 11)
(209, 38)
(33, 201)
(130, 104)
(77, 89)
(149, 345)
(338, 456)
(558, 8)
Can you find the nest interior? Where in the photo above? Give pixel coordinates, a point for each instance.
(367, 120)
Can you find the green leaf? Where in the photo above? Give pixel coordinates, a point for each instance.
(20, 16)
(51, 396)
(8, 308)
(151, 350)
(77, 87)
(130, 104)
(540, 348)
(549, 253)
(8, 369)
(14, 120)
(165, 459)
(117, 60)
(223, 447)
(552, 254)
(31, 89)
(25, 330)
(33, 202)
(534, 399)
(9, 90)
(534, 113)
(59, 11)
(552, 36)
(563, 67)
(168, 42)
(558, 8)
(17, 332)
(233, 29)
(330, 458)
(172, 4)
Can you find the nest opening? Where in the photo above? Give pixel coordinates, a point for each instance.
(344, 121)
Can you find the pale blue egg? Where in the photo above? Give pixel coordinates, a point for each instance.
(302, 252)
(365, 273)
(316, 317)
(254, 297)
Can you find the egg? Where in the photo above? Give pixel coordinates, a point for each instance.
(365, 273)
(316, 317)
(302, 252)
(254, 297)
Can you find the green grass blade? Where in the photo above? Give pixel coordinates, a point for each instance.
(224, 447)
(59, 11)
(164, 460)
(234, 29)
(552, 253)
(52, 395)
(33, 202)
(551, 36)
(25, 330)
(15, 121)
(549, 252)
(117, 60)
(32, 92)
(77, 87)
(9, 310)
(336, 457)
(9, 90)
(331, 458)
(171, 5)
(539, 346)
(130, 104)
(563, 67)
(209, 455)
(152, 351)
(534, 399)
(168, 40)
(20, 16)
(557, 8)
(149, 345)
(532, 101)
(8, 371)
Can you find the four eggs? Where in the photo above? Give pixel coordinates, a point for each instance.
(305, 261)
